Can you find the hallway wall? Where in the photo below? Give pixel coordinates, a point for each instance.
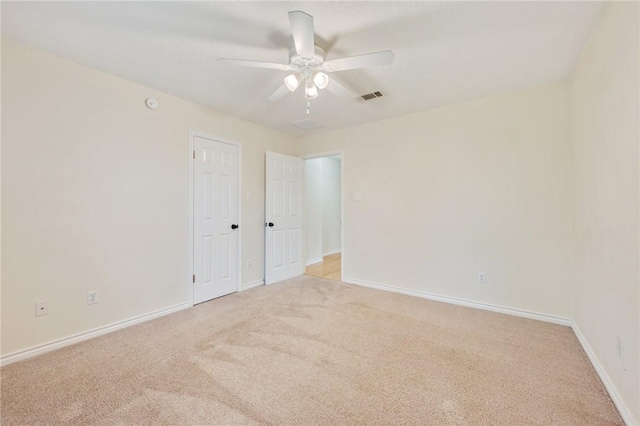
(323, 208)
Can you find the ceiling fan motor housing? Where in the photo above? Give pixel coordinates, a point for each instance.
(311, 63)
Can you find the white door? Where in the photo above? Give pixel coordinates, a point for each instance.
(283, 202)
(215, 219)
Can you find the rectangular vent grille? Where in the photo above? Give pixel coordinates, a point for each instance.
(371, 95)
(307, 124)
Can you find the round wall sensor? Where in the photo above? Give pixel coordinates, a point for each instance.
(152, 103)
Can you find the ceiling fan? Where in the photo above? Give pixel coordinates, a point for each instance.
(308, 65)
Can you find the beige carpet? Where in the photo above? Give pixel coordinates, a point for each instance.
(312, 351)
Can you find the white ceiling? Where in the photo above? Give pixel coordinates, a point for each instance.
(446, 52)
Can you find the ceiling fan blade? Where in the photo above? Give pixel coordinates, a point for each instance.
(360, 61)
(339, 89)
(278, 94)
(302, 31)
(255, 64)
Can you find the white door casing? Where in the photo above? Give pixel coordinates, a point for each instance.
(215, 212)
(284, 217)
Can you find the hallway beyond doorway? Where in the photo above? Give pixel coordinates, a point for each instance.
(330, 267)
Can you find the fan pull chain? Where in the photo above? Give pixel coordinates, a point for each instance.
(308, 109)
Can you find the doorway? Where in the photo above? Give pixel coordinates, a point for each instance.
(323, 221)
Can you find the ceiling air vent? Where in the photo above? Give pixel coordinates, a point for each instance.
(307, 124)
(371, 95)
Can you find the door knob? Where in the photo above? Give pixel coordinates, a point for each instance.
(270, 224)
(234, 226)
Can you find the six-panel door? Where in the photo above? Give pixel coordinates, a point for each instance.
(215, 211)
(284, 217)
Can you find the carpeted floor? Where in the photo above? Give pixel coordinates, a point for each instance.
(312, 351)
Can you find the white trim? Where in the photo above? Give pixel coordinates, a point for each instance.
(86, 335)
(602, 373)
(323, 155)
(329, 253)
(462, 302)
(314, 261)
(192, 134)
(608, 384)
(343, 262)
(252, 285)
(190, 282)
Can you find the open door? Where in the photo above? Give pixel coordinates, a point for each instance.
(283, 217)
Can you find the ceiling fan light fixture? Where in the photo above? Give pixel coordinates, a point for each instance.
(292, 81)
(321, 80)
(310, 90)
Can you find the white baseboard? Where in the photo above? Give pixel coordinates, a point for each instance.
(608, 384)
(252, 285)
(314, 261)
(77, 338)
(329, 253)
(622, 409)
(462, 302)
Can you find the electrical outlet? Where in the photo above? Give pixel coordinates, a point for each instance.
(482, 277)
(619, 350)
(92, 297)
(249, 264)
(42, 308)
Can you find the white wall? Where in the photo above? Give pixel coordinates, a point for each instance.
(95, 195)
(313, 210)
(447, 193)
(331, 206)
(606, 210)
(538, 188)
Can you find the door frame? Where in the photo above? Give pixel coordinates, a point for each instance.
(343, 257)
(190, 253)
